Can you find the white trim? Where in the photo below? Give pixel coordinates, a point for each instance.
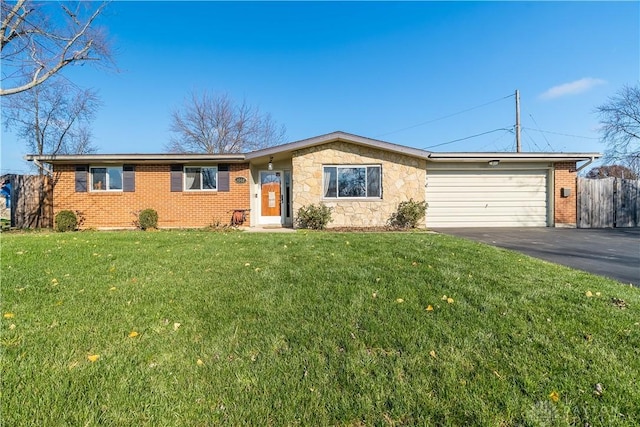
(107, 189)
(351, 166)
(184, 178)
(270, 220)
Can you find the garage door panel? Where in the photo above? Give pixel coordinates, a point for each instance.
(489, 223)
(494, 204)
(504, 198)
(486, 194)
(524, 180)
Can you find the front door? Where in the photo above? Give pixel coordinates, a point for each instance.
(271, 197)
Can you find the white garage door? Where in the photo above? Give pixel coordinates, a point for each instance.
(496, 198)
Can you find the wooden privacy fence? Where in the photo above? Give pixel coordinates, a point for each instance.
(608, 202)
(31, 201)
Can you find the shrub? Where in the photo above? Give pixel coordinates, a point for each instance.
(66, 221)
(147, 218)
(408, 215)
(314, 217)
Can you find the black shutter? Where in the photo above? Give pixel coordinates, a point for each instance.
(223, 177)
(176, 178)
(128, 178)
(81, 178)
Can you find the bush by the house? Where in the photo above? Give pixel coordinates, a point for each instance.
(315, 217)
(408, 215)
(66, 221)
(148, 218)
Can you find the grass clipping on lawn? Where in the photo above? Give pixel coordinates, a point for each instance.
(197, 328)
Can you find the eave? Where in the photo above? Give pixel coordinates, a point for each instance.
(513, 157)
(137, 158)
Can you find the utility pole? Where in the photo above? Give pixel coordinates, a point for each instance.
(518, 146)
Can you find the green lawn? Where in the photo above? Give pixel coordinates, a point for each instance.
(190, 328)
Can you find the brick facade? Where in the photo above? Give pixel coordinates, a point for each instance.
(187, 209)
(565, 207)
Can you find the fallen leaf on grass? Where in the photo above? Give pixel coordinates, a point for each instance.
(199, 362)
(620, 303)
(450, 300)
(9, 315)
(588, 294)
(429, 307)
(432, 353)
(597, 390)
(554, 396)
(113, 288)
(399, 300)
(176, 326)
(133, 334)
(93, 357)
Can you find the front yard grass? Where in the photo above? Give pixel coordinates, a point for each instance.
(190, 328)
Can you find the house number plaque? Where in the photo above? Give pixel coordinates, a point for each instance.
(241, 180)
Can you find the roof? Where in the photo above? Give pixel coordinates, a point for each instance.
(286, 150)
(337, 136)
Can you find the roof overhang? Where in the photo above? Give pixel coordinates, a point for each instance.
(136, 158)
(513, 157)
(286, 150)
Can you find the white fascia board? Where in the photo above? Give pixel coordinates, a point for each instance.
(512, 157)
(135, 158)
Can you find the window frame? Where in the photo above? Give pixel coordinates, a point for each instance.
(107, 184)
(185, 180)
(337, 168)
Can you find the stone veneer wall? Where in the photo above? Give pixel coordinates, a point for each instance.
(403, 177)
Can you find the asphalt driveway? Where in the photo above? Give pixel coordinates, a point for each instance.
(614, 253)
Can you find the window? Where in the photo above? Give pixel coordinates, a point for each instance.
(201, 178)
(108, 178)
(352, 182)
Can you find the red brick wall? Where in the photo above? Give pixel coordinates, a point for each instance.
(565, 207)
(152, 190)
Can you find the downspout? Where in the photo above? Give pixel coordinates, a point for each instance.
(42, 168)
(585, 165)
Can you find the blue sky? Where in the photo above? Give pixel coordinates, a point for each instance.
(421, 74)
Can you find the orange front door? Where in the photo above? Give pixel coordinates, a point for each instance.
(270, 190)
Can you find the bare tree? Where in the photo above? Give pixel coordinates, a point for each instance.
(216, 124)
(611, 171)
(620, 120)
(53, 118)
(39, 40)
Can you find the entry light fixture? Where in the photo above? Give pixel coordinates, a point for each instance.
(494, 162)
(270, 165)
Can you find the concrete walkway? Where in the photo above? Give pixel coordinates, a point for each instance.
(610, 252)
(268, 230)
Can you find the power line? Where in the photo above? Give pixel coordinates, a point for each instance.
(444, 117)
(468, 137)
(563, 134)
(543, 135)
(532, 140)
